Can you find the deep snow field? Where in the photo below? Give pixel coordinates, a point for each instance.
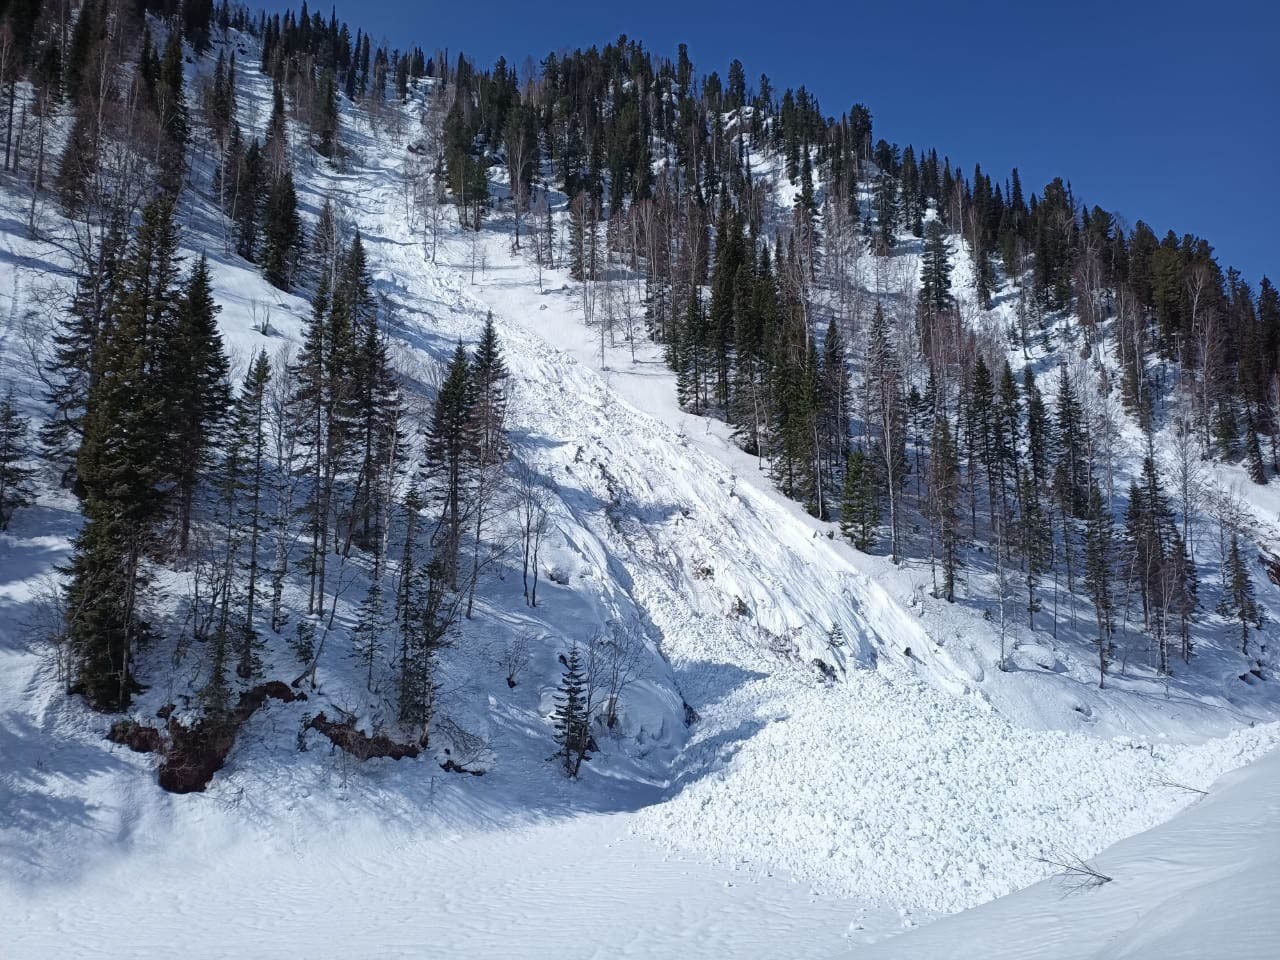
(743, 807)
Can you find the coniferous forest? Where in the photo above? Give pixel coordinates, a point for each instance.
(937, 446)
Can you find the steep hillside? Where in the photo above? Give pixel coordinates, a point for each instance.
(811, 749)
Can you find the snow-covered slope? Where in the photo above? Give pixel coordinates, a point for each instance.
(919, 781)
(1202, 885)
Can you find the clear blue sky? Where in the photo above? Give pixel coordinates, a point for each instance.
(1162, 110)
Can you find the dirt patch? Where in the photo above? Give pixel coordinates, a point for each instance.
(136, 736)
(192, 755)
(360, 745)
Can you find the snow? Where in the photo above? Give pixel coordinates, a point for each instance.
(577, 888)
(797, 817)
(1202, 885)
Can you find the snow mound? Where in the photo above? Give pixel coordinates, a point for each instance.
(885, 787)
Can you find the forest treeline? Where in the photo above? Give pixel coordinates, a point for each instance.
(925, 442)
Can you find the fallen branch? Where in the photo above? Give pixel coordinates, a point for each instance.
(359, 744)
(1162, 782)
(1077, 874)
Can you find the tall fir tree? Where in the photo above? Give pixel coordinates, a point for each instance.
(199, 393)
(944, 485)
(282, 234)
(122, 470)
(1239, 601)
(17, 480)
(1099, 564)
(571, 719)
(859, 507)
(449, 448)
(250, 435)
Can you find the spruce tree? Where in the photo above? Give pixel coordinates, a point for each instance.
(1038, 431)
(311, 408)
(887, 213)
(409, 587)
(1037, 543)
(282, 235)
(1006, 438)
(248, 199)
(935, 271)
(572, 723)
(199, 394)
(1183, 599)
(172, 108)
(887, 420)
(326, 126)
(367, 637)
(488, 405)
(448, 453)
(123, 470)
(859, 507)
(981, 430)
(1071, 469)
(833, 404)
(1253, 452)
(1098, 572)
(1239, 599)
(250, 435)
(17, 480)
(944, 485)
(1226, 432)
(229, 485)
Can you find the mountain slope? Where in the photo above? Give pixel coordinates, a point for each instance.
(910, 773)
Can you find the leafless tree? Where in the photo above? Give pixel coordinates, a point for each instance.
(1184, 462)
(518, 149)
(516, 657)
(284, 440)
(46, 626)
(533, 501)
(620, 654)
(1077, 874)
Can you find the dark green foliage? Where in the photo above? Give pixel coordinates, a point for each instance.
(367, 637)
(69, 371)
(886, 420)
(1071, 468)
(1099, 561)
(944, 483)
(449, 449)
(571, 716)
(17, 481)
(1238, 601)
(282, 235)
(1253, 452)
(124, 472)
(935, 271)
(77, 166)
(199, 391)
(325, 128)
(887, 213)
(248, 200)
(1226, 432)
(248, 441)
(859, 505)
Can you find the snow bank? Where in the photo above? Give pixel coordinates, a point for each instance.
(1202, 885)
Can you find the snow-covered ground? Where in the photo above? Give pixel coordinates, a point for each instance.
(1203, 885)
(796, 817)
